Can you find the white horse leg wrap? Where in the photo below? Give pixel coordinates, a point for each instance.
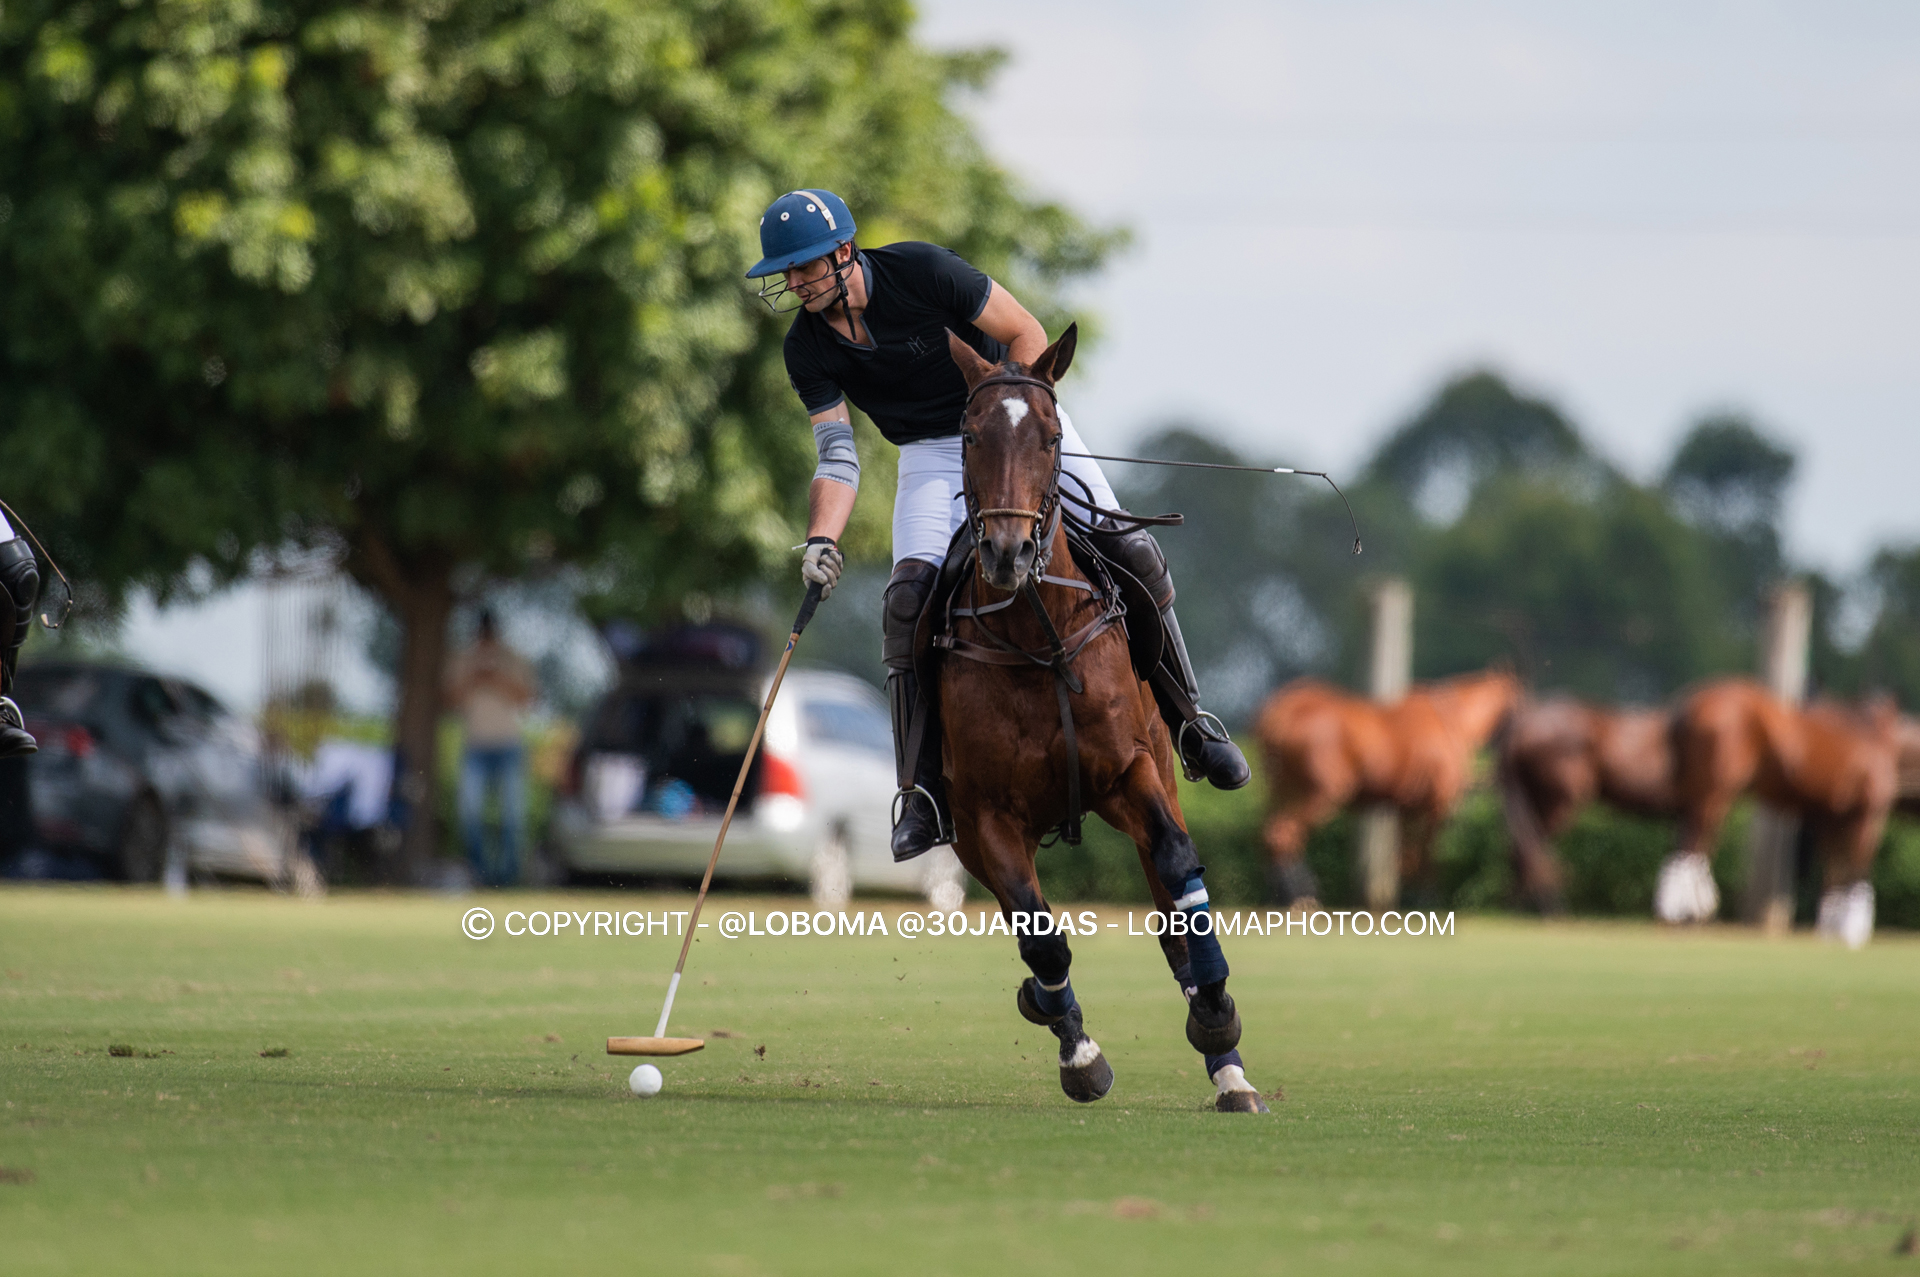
(1231, 1078)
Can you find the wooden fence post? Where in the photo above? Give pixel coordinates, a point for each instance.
(1389, 671)
(1783, 668)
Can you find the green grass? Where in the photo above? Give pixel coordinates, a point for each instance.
(1525, 1098)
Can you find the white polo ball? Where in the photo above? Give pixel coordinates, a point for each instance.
(645, 1080)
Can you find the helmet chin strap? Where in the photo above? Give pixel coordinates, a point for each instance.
(845, 298)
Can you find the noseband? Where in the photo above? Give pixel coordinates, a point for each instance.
(1047, 517)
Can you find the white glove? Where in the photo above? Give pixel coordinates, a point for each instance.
(821, 564)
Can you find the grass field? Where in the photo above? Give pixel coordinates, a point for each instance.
(1579, 1098)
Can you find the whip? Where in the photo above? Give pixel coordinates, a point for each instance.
(1216, 465)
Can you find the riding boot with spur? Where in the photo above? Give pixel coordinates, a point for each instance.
(918, 826)
(1205, 749)
(19, 588)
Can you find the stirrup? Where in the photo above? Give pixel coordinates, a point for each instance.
(942, 828)
(1180, 741)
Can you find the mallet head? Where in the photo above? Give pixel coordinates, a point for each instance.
(653, 1046)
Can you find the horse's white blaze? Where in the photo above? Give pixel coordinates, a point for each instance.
(1086, 1053)
(1016, 409)
(1232, 1078)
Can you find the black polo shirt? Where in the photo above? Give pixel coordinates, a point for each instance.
(906, 381)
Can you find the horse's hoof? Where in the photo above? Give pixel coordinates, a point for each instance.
(1239, 1102)
(1219, 1033)
(1085, 1075)
(1024, 1000)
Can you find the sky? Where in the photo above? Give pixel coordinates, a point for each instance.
(1644, 211)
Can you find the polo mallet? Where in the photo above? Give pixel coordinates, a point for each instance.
(659, 1043)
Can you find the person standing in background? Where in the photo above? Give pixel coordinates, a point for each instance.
(490, 686)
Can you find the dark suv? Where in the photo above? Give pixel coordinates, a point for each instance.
(132, 764)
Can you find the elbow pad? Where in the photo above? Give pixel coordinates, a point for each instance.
(839, 459)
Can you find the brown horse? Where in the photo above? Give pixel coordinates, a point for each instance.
(1046, 719)
(1836, 767)
(1560, 754)
(1326, 749)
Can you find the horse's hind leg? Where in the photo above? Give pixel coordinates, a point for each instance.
(1045, 997)
(1142, 810)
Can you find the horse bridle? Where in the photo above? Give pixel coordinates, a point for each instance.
(1046, 520)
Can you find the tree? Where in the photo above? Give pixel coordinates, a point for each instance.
(1606, 594)
(1521, 544)
(1889, 658)
(1476, 427)
(451, 284)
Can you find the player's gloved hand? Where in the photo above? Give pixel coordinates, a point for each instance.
(821, 564)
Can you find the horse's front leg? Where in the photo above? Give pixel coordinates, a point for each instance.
(1005, 857)
(1141, 808)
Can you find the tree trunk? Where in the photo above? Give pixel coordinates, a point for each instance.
(423, 624)
(419, 591)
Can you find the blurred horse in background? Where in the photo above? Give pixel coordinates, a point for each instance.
(1326, 749)
(1836, 767)
(1560, 754)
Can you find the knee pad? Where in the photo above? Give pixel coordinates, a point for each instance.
(19, 575)
(905, 599)
(19, 588)
(1140, 554)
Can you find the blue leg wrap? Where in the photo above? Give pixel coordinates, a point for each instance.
(1216, 1062)
(1053, 1001)
(1203, 950)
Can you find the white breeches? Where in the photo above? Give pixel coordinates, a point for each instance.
(927, 509)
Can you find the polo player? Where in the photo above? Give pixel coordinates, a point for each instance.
(870, 329)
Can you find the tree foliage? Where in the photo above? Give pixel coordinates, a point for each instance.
(1521, 543)
(452, 284)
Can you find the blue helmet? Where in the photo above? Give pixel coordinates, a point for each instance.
(801, 226)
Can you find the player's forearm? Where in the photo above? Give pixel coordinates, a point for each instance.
(1008, 322)
(1028, 345)
(829, 506)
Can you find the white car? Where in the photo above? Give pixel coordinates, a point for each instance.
(659, 756)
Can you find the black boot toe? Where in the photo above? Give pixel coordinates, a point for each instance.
(1219, 762)
(918, 830)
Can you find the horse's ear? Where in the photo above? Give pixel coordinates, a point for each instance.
(1057, 358)
(968, 360)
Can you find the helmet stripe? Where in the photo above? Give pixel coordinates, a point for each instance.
(825, 212)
